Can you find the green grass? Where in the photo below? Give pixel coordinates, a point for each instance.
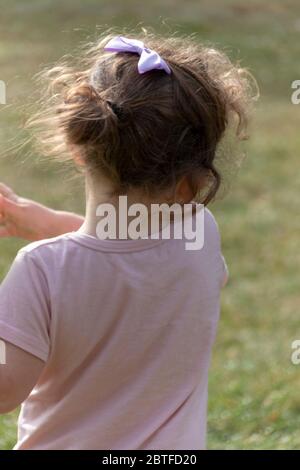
(254, 399)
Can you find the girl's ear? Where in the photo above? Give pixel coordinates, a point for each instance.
(77, 155)
(185, 190)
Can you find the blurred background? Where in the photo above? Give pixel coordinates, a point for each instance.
(254, 400)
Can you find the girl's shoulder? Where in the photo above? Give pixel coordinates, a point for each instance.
(42, 245)
(211, 227)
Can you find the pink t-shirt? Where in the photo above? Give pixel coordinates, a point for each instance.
(125, 329)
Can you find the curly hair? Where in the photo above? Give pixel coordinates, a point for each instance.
(145, 131)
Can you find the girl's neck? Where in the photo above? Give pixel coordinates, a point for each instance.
(100, 197)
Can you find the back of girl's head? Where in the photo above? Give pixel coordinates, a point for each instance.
(147, 131)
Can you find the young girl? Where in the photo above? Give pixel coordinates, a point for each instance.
(108, 342)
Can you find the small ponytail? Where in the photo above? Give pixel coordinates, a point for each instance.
(87, 118)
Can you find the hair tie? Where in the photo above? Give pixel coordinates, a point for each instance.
(119, 112)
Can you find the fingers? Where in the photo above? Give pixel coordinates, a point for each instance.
(7, 192)
(4, 232)
(9, 209)
(10, 216)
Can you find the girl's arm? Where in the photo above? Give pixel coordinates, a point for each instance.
(18, 376)
(23, 218)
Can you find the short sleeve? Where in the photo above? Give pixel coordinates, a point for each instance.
(214, 236)
(24, 307)
(225, 270)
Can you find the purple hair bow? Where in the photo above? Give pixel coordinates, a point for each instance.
(149, 59)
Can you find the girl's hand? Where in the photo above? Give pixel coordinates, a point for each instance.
(23, 218)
